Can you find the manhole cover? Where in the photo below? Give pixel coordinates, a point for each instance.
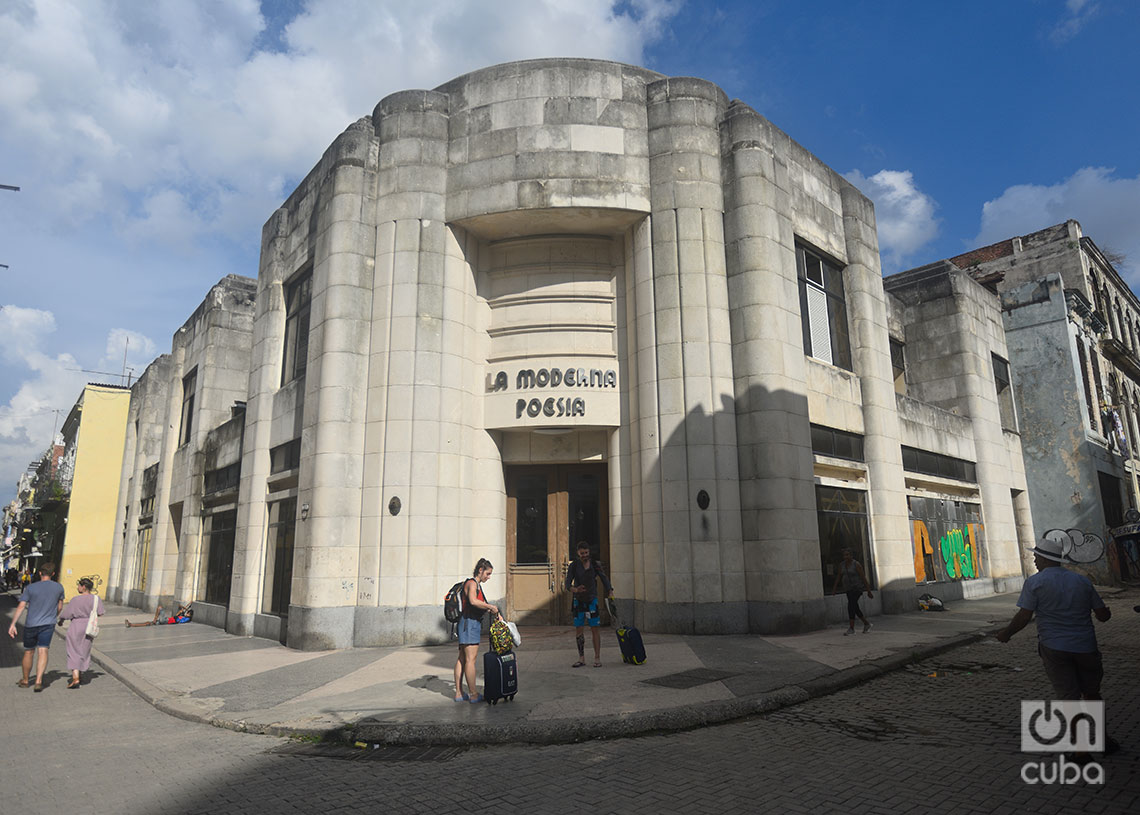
(371, 752)
(689, 679)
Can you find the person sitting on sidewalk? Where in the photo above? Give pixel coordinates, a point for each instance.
(157, 611)
(184, 615)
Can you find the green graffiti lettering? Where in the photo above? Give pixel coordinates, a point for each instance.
(958, 555)
(947, 556)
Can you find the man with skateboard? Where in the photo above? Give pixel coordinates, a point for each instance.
(582, 582)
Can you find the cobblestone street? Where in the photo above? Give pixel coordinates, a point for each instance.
(941, 736)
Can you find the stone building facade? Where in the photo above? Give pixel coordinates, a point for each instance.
(172, 522)
(1073, 329)
(569, 300)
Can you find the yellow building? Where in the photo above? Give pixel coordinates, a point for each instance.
(93, 435)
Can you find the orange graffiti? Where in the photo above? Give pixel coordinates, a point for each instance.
(921, 547)
(974, 548)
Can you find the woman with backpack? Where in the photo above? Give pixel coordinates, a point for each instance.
(475, 605)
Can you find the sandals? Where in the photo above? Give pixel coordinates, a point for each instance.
(23, 683)
(476, 699)
(73, 684)
(578, 664)
(37, 688)
(597, 664)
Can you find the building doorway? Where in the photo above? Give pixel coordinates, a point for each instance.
(549, 510)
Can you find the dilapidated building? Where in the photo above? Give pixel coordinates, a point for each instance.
(178, 489)
(1073, 329)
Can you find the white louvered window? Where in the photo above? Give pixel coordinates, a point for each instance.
(823, 308)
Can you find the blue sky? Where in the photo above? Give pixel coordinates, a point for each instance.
(152, 140)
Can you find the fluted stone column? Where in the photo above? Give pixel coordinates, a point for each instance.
(777, 490)
(693, 562)
(414, 434)
(323, 597)
(250, 540)
(163, 546)
(870, 351)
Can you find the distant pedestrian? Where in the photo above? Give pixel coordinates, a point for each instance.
(475, 606)
(855, 582)
(582, 581)
(78, 610)
(43, 600)
(1065, 603)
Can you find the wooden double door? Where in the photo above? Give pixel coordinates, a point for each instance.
(549, 510)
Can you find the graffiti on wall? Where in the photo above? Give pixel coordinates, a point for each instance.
(948, 539)
(1077, 545)
(957, 553)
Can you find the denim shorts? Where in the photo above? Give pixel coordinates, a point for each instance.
(38, 636)
(470, 631)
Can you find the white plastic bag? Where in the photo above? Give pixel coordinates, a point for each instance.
(515, 635)
(93, 620)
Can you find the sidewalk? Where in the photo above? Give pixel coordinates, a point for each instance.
(404, 694)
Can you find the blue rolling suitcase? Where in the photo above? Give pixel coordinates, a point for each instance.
(500, 677)
(632, 648)
(629, 639)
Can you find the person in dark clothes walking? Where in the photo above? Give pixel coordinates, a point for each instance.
(855, 582)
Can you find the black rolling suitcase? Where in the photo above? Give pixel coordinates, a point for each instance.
(629, 639)
(500, 677)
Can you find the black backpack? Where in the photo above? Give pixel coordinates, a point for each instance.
(453, 602)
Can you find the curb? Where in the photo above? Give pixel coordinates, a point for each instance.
(566, 731)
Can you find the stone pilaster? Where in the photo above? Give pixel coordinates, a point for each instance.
(870, 351)
(250, 540)
(325, 579)
(777, 491)
(693, 560)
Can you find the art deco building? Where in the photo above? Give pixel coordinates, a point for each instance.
(569, 300)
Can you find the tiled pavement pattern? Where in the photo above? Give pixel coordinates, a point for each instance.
(908, 742)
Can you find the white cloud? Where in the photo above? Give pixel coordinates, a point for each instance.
(904, 214)
(164, 130)
(1105, 206)
(51, 384)
(165, 109)
(1079, 12)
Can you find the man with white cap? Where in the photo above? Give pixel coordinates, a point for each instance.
(1066, 640)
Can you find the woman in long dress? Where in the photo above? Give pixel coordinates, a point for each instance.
(78, 610)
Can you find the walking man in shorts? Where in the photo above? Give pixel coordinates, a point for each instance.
(582, 581)
(44, 601)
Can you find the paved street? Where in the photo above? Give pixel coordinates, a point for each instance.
(938, 737)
